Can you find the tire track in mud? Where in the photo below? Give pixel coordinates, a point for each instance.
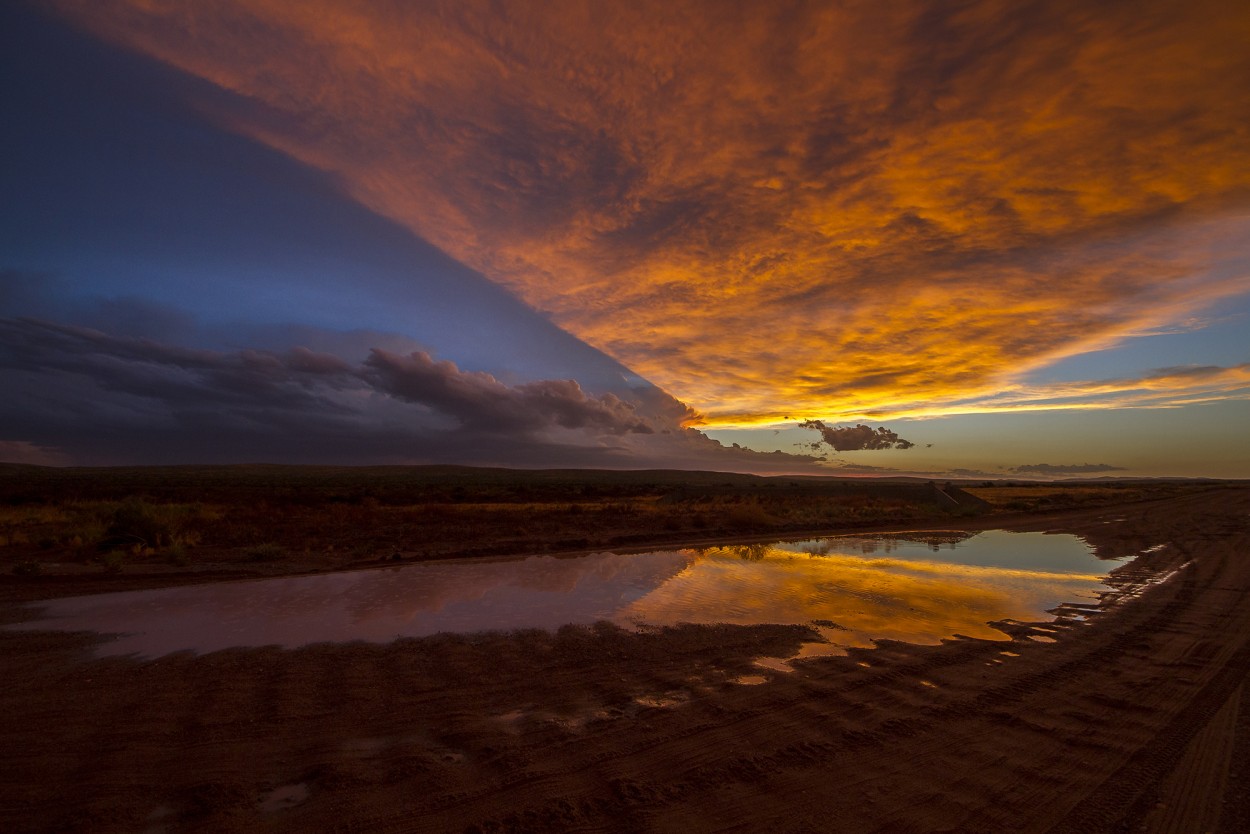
(1191, 798)
(1136, 788)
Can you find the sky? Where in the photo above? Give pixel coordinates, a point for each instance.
(977, 239)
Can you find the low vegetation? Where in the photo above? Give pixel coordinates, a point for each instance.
(1043, 496)
(269, 519)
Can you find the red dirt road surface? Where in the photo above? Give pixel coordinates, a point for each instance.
(1137, 718)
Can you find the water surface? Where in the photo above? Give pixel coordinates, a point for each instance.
(852, 590)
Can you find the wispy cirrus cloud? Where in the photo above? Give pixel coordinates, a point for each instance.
(1161, 388)
(867, 207)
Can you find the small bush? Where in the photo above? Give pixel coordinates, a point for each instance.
(748, 517)
(82, 534)
(138, 522)
(266, 552)
(30, 567)
(113, 561)
(176, 554)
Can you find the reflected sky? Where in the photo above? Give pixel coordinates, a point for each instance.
(853, 590)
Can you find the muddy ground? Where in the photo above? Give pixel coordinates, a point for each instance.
(1138, 717)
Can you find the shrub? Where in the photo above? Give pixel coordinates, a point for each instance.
(135, 521)
(176, 553)
(265, 552)
(748, 517)
(30, 567)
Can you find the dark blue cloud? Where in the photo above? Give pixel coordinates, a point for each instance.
(124, 207)
(80, 395)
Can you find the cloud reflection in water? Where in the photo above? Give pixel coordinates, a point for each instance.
(913, 593)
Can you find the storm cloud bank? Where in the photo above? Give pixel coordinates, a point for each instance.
(79, 395)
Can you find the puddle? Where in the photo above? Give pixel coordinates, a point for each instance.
(751, 680)
(853, 591)
(287, 796)
(777, 664)
(1131, 582)
(511, 721)
(667, 700)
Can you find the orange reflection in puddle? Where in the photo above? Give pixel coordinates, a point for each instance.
(751, 680)
(862, 599)
(917, 592)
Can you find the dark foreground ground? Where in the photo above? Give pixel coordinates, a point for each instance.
(1138, 719)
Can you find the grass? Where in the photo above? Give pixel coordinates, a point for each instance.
(322, 517)
(1063, 496)
(113, 561)
(265, 552)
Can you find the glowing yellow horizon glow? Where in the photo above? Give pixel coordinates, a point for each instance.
(848, 211)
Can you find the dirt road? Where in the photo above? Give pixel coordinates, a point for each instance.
(1128, 719)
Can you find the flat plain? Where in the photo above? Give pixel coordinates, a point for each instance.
(1124, 716)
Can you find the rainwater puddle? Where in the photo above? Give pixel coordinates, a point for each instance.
(777, 664)
(852, 591)
(751, 680)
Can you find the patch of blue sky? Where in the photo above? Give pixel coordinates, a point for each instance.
(1220, 336)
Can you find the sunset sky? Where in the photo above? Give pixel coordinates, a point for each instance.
(972, 239)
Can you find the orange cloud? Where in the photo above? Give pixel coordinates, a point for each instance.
(818, 211)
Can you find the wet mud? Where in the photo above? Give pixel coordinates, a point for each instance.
(1096, 718)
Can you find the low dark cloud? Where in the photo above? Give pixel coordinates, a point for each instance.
(865, 469)
(1062, 469)
(971, 473)
(78, 395)
(855, 438)
(23, 451)
(481, 402)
